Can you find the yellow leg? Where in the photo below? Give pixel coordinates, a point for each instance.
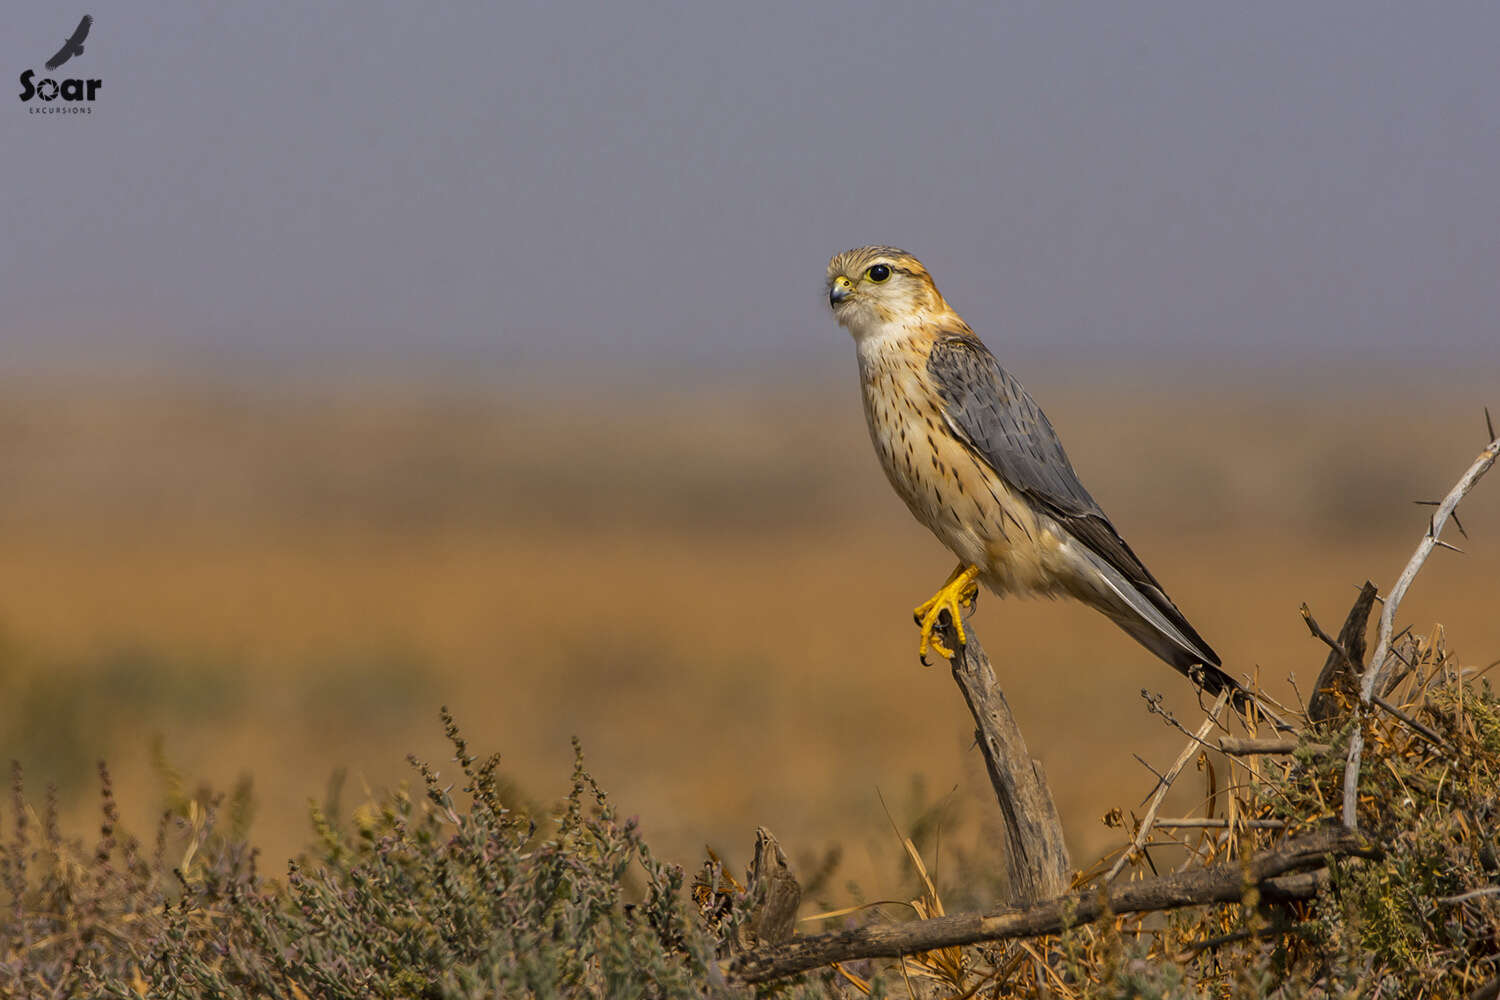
(957, 593)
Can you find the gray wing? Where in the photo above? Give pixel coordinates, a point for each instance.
(990, 411)
(999, 421)
(997, 418)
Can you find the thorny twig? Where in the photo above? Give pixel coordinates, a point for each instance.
(1438, 503)
(1426, 733)
(1155, 707)
(1328, 640)
(1144, 832)
(1375, 670)
(1144, 763)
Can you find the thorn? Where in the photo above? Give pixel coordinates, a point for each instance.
(1488, 423)
(1444, 545)
(1453, 514)
(1159, 776)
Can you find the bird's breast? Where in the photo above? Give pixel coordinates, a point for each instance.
(945, 485)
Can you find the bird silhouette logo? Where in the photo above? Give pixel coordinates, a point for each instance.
(74, 45)
(62, 97)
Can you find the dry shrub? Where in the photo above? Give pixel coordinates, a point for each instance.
(1420, 920)
(472, 893)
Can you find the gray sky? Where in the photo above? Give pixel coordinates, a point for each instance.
(643, 184)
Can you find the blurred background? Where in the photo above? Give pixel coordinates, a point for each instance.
(357, 359)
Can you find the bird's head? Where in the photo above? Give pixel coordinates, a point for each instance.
(873, 289)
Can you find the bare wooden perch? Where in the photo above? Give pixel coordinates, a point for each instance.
(1218, 884)
(1375, 672)
(1036, 856)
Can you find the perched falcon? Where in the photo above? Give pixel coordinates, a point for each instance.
(978, 463)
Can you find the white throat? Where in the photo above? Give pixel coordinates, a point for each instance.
(878, 338)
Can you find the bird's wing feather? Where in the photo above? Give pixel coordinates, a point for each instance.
(998, 420)
(82, 31)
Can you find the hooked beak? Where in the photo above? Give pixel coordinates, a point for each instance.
(839, 290)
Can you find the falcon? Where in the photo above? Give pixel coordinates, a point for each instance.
(978, 463)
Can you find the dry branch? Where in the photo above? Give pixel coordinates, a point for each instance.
(1345, 660)
(1218, 823)
(1239, 746)
(1036, 856)
(1423, 731)
(773, 892)
(1218, 884)
(1375, 671)
(1194, 747)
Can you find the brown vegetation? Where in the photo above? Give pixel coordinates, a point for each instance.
(290, 580)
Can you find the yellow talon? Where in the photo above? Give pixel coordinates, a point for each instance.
(956, 594)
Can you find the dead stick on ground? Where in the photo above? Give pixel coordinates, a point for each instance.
(1036, 856)
(1218, 884)
(1376, 668)
(1194, 747)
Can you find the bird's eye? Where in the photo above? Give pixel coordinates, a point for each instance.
(878, 273)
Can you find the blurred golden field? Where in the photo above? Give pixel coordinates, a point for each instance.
(710, 588)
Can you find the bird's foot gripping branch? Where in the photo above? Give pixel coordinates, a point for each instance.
(959, 591)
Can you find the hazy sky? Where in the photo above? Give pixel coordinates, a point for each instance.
(646, 184)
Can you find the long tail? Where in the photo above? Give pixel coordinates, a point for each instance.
(1149, 617)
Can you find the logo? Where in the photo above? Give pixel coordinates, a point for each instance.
(76, 96)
